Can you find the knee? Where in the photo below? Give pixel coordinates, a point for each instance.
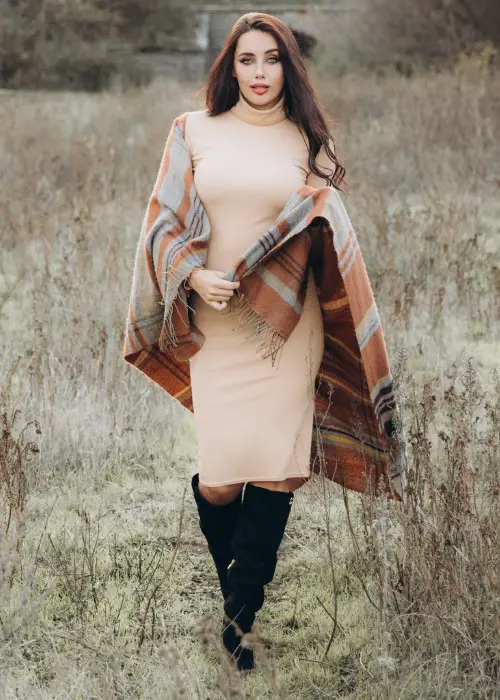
(220, 495)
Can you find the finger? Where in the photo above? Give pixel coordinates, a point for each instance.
(226, 284)
(218, 305)
(221, 274)
(223, 286)
(222, 295)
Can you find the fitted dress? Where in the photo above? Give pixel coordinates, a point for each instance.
(254, 421)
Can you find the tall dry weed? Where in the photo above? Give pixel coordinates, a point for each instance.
(433, 567)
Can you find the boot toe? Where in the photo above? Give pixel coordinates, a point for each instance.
(235, 645)
(245, 660)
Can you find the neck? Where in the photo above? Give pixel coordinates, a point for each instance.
(259, 117)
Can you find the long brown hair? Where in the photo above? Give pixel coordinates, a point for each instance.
(300, 103)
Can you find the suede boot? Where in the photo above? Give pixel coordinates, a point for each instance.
(217, 522)
(255, 543)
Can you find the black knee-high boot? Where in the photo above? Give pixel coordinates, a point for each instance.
(255, 543)
(217, 522)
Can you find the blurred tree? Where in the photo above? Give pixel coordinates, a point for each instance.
(406, 35)
(53, 42)
(431, 30)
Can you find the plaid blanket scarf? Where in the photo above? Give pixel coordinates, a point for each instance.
(354, 441)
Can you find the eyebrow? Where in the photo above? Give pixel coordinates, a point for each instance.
(249, 53)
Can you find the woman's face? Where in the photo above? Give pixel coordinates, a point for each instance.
(257, 60)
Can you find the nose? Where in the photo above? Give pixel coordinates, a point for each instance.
(259, 71)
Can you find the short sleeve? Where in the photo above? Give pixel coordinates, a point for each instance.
(324, 163)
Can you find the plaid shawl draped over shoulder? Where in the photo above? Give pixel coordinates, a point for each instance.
(354, 440)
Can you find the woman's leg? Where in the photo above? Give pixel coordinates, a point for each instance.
(220, 495)
(287, 485)
(218, 510)
(255, 544)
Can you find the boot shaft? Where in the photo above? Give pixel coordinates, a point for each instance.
(217, 523)
(256, 541)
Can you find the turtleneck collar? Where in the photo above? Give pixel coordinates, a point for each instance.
(259, 117)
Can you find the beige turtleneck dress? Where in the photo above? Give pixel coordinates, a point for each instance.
(254, 422)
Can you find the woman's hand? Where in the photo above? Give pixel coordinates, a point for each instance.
(212, 289)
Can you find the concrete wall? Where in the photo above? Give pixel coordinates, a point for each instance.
(213, 23)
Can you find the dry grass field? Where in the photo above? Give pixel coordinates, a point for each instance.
(107, 588)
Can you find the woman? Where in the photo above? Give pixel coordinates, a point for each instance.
(245, 227)
(258, 99)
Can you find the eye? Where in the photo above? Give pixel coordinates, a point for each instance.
(274, 59)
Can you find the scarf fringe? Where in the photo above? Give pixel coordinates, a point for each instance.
(168, 340)
(270, 341)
